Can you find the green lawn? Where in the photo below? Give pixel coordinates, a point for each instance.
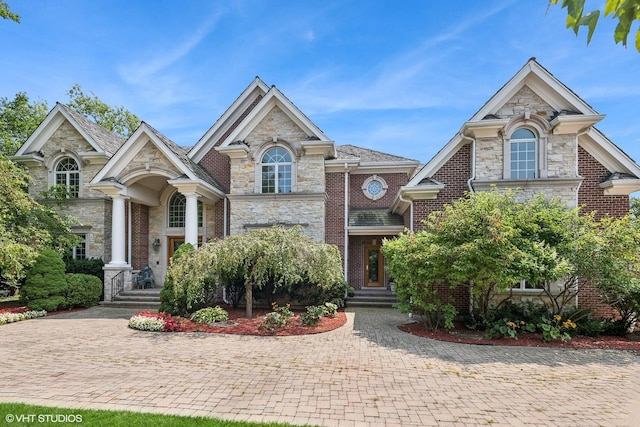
(20, 414)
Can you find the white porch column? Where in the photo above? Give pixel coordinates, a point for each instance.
(191, 219)
(118, 231)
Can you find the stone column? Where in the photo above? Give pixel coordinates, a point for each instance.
(191, 219)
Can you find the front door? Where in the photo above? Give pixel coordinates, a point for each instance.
(174, 243)
(374, 266)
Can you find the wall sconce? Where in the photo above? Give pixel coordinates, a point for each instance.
(156, 245)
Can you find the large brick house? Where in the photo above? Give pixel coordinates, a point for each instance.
(264, 162)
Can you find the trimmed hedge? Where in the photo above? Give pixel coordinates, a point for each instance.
(84, 290)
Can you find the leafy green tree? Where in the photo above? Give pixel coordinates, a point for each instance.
(115, 119)
(18, 119)
(615, 266)
(627, 12)
(26, 226)
(273, 256)
(487, 242)
(634, 207)
(5, 13)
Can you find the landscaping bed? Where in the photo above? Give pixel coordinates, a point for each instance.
(461, 334)
(238, 324)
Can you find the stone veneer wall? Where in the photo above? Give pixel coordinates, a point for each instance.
(248, 214)
(305, 205)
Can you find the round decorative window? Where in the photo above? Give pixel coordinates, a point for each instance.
(374, 187)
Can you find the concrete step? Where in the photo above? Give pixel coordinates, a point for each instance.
(148, 299)
(372, 297)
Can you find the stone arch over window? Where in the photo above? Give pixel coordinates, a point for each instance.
(176, 211)
(525, 148)
(276, 171)
(67, 175)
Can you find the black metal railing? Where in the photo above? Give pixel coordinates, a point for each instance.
(117, 284)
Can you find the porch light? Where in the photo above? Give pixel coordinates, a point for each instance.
(156, 245)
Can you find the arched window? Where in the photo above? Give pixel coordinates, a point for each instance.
(178, 209)
(524, 155)
(68, 175)
(276, 171)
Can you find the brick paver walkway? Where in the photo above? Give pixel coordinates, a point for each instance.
(365, 373)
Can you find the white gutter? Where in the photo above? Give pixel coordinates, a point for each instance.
(410, 209)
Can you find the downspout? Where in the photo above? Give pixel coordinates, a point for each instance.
(470, 186)
(346, 226)
(224, 218)
(578, 191)
(473, 161)
(410, 209)
(224, 234)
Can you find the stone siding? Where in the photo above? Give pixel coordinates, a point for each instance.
(249, 214)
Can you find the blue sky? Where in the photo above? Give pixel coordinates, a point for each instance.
(400, 77)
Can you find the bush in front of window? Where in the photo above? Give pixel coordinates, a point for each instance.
(84, 290)
(45, 285)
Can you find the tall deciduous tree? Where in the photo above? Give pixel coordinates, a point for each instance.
(115, 119)
(26, 226)
(627, 12)
(18, 119)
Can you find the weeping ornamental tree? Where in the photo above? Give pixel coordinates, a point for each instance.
(279, 256)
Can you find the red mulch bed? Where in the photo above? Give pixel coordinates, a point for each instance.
(460, 334)
(238, 324)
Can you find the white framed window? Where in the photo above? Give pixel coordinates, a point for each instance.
(523, 145)
(67, 174)
(177, 210)
(523, 285)
(374, 187)
(276, 171)
(80, 250)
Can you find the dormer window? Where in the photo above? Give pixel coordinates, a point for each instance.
(276, 171)
(523, 165)
(67, 174)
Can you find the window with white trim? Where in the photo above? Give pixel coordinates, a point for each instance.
(276, 167)
(67, 174)
(177, 211)
(524, 154)
(524, 285)
(80, 250)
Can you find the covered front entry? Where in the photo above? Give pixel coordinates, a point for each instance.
(374, 266)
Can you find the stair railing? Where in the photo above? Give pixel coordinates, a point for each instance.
(117, 284)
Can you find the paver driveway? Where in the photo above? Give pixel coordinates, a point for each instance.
(365, 373)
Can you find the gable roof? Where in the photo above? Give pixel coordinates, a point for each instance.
(173, 153)
(230, 119)
(100, 139)
(568, 104)
(271, 99)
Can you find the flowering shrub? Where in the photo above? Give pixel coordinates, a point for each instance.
(276, 319)
(210, 315)
(151, 321)
(16, 315)
(556, 328)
